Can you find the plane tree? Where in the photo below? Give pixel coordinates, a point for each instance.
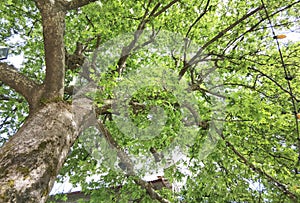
(239, 131)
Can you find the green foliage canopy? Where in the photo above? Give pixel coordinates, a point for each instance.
(257, 156)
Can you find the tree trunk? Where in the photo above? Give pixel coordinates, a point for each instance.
(32, 158)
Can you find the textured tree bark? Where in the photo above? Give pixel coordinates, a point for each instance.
(23, 85)
(53, 20)
(32, 158)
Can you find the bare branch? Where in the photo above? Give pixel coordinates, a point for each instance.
(75, 60)
(151, 40)
(77, 4)
(152, 193)
(30, 90)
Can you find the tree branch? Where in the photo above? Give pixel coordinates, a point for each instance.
(197, 87)
(30, 90)
(126, 51)
(254, 168)
(129, 165)
(77, 4)
(215, 38)
(274, 81)
(165, 8)
(286, 74)
(259, 22)
(199, 17)
(53, 21)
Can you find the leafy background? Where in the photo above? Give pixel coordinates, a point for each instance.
(257, 156)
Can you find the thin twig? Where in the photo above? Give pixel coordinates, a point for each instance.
(254, 168)
(260, 21)
(215, 38)
(165, 8)
(126, 51)
(129, 165)
(273, 80)
(197, 20)
(287, 80)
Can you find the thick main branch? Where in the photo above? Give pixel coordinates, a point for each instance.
(53, 18)
(31, 159)
(77, 4)
(10, 76)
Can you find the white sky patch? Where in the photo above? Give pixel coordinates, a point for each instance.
(65, 187)
(293, 36)
(16, 60)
